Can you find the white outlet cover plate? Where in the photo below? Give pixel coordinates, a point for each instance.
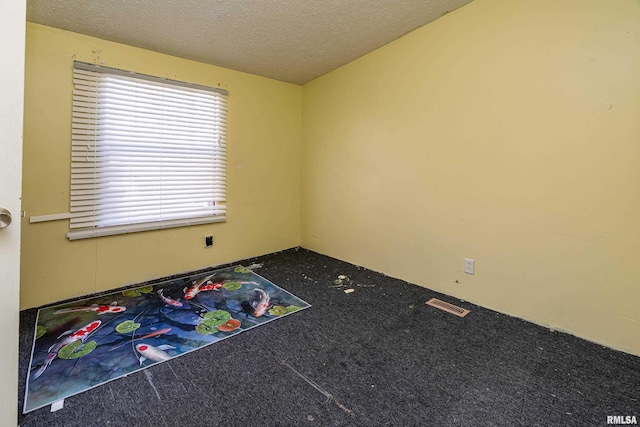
(469, 266)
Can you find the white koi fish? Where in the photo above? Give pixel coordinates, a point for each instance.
(260, 302)
(100, 309)
(169, 301)
(194, 289)
(81, 334)
(157, 354)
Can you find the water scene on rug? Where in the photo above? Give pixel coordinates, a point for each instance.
(83, 344)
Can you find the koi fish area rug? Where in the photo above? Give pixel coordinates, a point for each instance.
(83, 344)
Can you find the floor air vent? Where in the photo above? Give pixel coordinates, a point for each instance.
(450, 308)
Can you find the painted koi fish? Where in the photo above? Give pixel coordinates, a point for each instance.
(211, 286)
(100, 309)
(149, 335)
(79, 335)
(260, 302)
(169, 301)
(157, 354)
(194, 289)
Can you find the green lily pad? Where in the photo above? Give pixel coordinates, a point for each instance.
(40, 331)
(210, 323)
(293, 308)
(215, 318)
(76, 349)
(241, 270)
(132, 293)
(278, 310)
(127, 326)
(231, 286)
(206, 329)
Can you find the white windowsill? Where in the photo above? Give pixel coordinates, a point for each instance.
(146, 226)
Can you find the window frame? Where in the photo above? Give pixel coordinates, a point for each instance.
(89, 144)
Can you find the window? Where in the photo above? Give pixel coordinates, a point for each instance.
(147, 153)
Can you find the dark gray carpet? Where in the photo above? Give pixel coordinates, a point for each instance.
(375, 357)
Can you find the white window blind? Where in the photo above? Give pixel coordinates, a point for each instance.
(147, 153)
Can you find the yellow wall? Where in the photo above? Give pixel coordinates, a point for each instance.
(263, 187)
(507, 132)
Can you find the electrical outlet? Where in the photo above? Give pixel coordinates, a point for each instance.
(208, 241)
(469, 266)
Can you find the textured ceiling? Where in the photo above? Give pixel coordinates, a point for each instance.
(289, 40)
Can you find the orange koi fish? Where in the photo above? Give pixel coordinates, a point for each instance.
(149, 335)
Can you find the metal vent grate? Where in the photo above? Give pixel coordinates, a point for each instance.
(450, 308)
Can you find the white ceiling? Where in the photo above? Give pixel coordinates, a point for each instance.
(289, 40)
